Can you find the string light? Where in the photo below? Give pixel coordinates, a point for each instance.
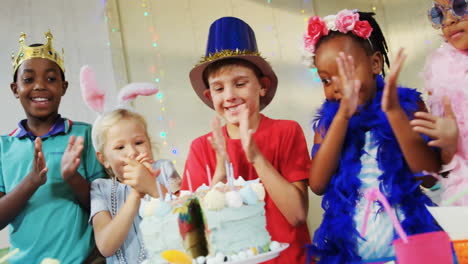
(163, 123)
(159, 96)
(314, 72)
(174, 151)
(374, 6)
(155, 70)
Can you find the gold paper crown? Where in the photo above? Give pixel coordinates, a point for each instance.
(45, 51)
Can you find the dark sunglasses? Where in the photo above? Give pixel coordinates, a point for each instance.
(438, 13)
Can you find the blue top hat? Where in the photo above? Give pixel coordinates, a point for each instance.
(230, 37)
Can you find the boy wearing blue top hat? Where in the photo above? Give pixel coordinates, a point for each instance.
(46, 165)
(235, 81)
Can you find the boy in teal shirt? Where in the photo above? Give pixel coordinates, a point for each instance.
(46, 166)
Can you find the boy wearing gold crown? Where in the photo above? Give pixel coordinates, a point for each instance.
(235, 81)
(46, 165)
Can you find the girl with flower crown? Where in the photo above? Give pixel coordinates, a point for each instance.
(446, 80)
(363, 140)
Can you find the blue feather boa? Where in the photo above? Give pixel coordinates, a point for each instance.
(335, 241)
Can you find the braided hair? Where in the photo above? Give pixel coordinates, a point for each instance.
(376, 41)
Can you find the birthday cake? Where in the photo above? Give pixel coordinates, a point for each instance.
(226, 222)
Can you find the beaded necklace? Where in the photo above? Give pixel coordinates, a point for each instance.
(119, 254)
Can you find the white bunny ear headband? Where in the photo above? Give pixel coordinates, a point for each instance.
(95, 97)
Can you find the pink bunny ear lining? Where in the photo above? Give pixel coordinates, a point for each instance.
(93, 96)
(131, 91)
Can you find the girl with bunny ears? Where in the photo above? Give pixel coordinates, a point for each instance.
(123, 147)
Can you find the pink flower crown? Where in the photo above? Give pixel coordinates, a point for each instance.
(345, 21)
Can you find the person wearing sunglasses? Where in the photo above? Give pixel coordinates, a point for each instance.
(446, 82)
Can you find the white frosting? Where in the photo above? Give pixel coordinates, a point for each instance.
(249, 196)
(219, 257)
(148, 207)
(242, 255)
(214, 200)
(233, 199)
(201, 260)
(203, 187)
(235, 257)
(274, 245)
(211, 261)
(184, 193)
(239, 181)
(259, 190)
(219, 185)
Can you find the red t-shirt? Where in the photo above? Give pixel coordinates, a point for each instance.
(282, 142)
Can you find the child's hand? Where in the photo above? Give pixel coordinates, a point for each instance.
(217, 141)
(144, 159)
(140, 177)
(137, 194)
(245, 133)
(38, 174)
(71, 157)
(390, 95)
(443, 130)
(347, 84)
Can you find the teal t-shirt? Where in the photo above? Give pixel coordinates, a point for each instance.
(52, 225)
